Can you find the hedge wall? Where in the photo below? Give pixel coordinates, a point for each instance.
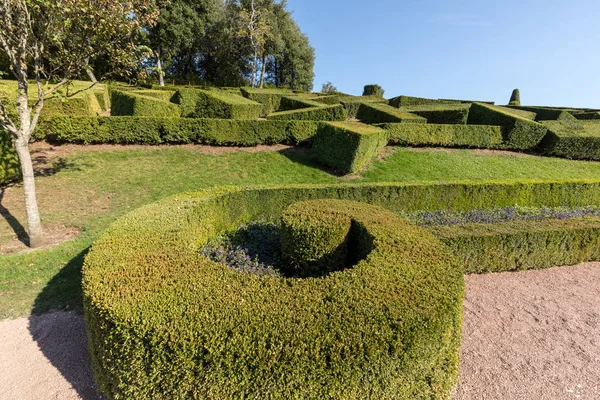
(269, 98)
(289, 103)
(441, 113)
(10, 169)
(404, 101)
(572, 139)
(475, 136)
(352, 103)
(373, 113)
(165, 322)
(130, 104)
(321, 113)
(164, 95)
(519, 133)
(347, 146)
(521, 245)
(213, 104)
(588, 115)
(154, 131)
(547, 114)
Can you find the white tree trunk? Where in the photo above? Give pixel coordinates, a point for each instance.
(254, 65)
(262, 72)
(89, 71)
(34, 224)
(161, 78)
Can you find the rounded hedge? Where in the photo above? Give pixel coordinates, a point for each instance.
(164, 321)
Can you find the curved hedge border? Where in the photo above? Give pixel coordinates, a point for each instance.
(159, 327)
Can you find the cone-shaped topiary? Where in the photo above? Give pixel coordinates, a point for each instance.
(515, 98)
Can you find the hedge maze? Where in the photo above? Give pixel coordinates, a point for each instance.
(369, 304)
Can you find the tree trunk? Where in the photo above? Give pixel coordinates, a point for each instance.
(89, 70)
(34, 225)
(161, 78)
(254, 69)
(262, 72)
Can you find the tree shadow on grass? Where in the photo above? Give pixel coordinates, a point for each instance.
(61, 336)
(12, 221)
(304, 156)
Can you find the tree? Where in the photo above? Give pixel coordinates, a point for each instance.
(256, 24)
(373, 90)
(55, 40)
(328, 88)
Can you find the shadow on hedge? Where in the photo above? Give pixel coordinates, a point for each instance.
(303, 155)
(61, 336)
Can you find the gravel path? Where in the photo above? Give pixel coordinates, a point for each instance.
(527, 335)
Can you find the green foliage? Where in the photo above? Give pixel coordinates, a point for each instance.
(290, 103)
(515, 98)
(352, 103)
(475, 136)
(197, 103)
(547, 114)
(10, 169)
(441, 113)
(130, 104)
(521, 245)
(387, 328)
(164, 95)
(329, 100)
(373, 90)
(155, 131)
(269, 98)
(374, 113)
(409, 101)
(519, 133)
(588, 115)
(572, 139)
(348, 146)
(328, 88)
(320, 113)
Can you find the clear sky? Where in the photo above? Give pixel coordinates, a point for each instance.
(475, 50)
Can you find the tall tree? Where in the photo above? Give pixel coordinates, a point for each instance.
(54, 38)
(256, 23)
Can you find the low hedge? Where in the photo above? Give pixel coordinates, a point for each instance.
(166, 322)
(578, 140)
(10, 169)
(442, 113)
(155, 131)
(546, 114)
(321, 113)
(405, 101)
(588, 115)
(329, 100)
(269, 98)
(347, 146)
(164, 95)
(522, 245)
(352, 103)
(519, 133)
(85, 103)
(126, 103)
(214, 104)
(289, 103)
(475, 136)
(374, 113)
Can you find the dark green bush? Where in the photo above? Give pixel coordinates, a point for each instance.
(373, 113)
(347, 146)
(441, 113)
(475, 136)
(547, 114)
(373, 90)
(512, 246)
(321, 113)
(166, 322)
(10, 169)
(214, 104)
(515, 98)
(126, 103)
(578, 140)
(588, 115)
(409, 101)
(519, 133)
(329, 100)
(154, 131)
(289, 103)
(352, 103)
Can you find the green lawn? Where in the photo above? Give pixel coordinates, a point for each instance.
(93, 188)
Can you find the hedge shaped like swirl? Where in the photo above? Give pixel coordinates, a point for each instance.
(165, 322)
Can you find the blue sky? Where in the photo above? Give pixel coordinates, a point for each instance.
(476, 50)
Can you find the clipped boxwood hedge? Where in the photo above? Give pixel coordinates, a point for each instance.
(269, 98)
(442, 113)
(475, 136)
(10, 169)
(578, 140)
(546, 114)
(348, 146)
(373, 113)
(520, 133)
(127, 103)
(322, 113)
(155, 131)
(289, 103)
(165, 322)
(196, 103)
(521, 245)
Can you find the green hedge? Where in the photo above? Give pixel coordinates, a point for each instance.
(521, 245)
(213, 104)
(441, 113)
(321, 113)
(405, 101)
(547, 114)
(164, 95)
(374, 113)
(588, 115)
(515, 98)
(348, 146)
(519, 133)
(85, 103)
(475, 136)
(572, 139)
(10, 169)
(130, 104)
(329, 100)
(154, 131)
(352, 103)
(373, 90)
(269, 98)
(289, 103)
(166, 322)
